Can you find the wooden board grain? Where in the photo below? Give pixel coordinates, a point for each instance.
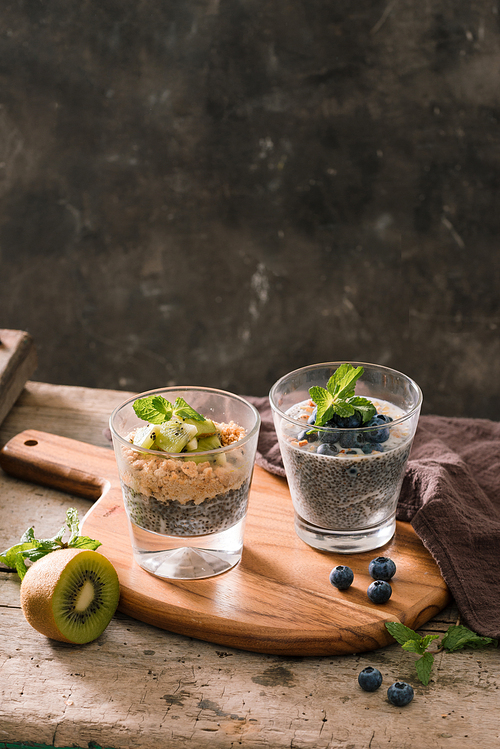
(277, 600)
(17, 363)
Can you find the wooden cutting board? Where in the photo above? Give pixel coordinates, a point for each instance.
(277, 600)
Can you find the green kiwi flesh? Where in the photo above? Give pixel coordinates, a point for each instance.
(204, 428)
(173, 436)
(70, 595)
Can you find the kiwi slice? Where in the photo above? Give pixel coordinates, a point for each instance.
(173, 436)
(209, 443)
(145, 436)
(70, 595)
(203, 428)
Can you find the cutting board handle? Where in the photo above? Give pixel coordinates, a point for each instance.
(58, 462)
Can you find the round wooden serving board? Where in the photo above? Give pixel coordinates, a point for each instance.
(277, 600)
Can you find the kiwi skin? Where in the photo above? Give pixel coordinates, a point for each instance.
(46, 581)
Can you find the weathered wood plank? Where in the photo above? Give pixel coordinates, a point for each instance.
(141, 687)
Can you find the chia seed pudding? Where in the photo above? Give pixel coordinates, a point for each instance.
(356, 487)
(181, 496)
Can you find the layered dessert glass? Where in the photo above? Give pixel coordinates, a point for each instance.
(186, 510)
(345, 476)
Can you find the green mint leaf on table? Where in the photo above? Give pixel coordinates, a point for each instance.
(84, 542)
(455, 638)
(28, 535)
(401, 633)
(424, 667)
(338, 397)
(31, 549)
(9, 556)
(419, 646)
(458, 637)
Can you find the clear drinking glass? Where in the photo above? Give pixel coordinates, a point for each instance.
(345, 499)
(186, 511)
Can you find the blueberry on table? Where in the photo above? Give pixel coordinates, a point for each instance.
(400, 693)
(382, 568)
(341, 577)
(379, 591)
(370, 679)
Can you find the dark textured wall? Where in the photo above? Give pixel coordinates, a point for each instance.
(217, 192)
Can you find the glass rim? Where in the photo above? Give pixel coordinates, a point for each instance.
(176, 388)
(312, 367)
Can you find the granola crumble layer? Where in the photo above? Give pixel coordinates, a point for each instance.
(181, 479)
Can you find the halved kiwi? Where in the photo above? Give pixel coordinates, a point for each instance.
(70, 595)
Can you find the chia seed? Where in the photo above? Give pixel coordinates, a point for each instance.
(171, 518)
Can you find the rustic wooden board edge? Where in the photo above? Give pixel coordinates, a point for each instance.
(18, 361)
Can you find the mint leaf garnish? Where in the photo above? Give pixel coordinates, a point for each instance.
(343, 381)
(155, 409)
(184, 411)
(31, 549)
(455, 638)
(338, 397)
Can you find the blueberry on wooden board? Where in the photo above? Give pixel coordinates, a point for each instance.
(341, 577)
(379, 591)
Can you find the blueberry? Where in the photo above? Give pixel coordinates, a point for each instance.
(334, 422)
(329, 436)
(305, 436)
(382, 568)
(400, 693)
(367, 449)
(384, 418)
(348, 439)
(312, 417)
(350, 422)
(326, 449)
(369, 679)
(379, 591)
(341, 577)
(377, 435)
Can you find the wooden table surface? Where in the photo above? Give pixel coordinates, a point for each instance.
(140, 687)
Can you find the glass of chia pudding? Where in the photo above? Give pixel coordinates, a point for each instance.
(345, 431)
(185, 459)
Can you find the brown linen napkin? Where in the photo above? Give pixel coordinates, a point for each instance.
(451, 496)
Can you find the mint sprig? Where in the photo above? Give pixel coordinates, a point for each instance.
(31, 549)
(455, 638)
(339, 399)
(155, 409)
